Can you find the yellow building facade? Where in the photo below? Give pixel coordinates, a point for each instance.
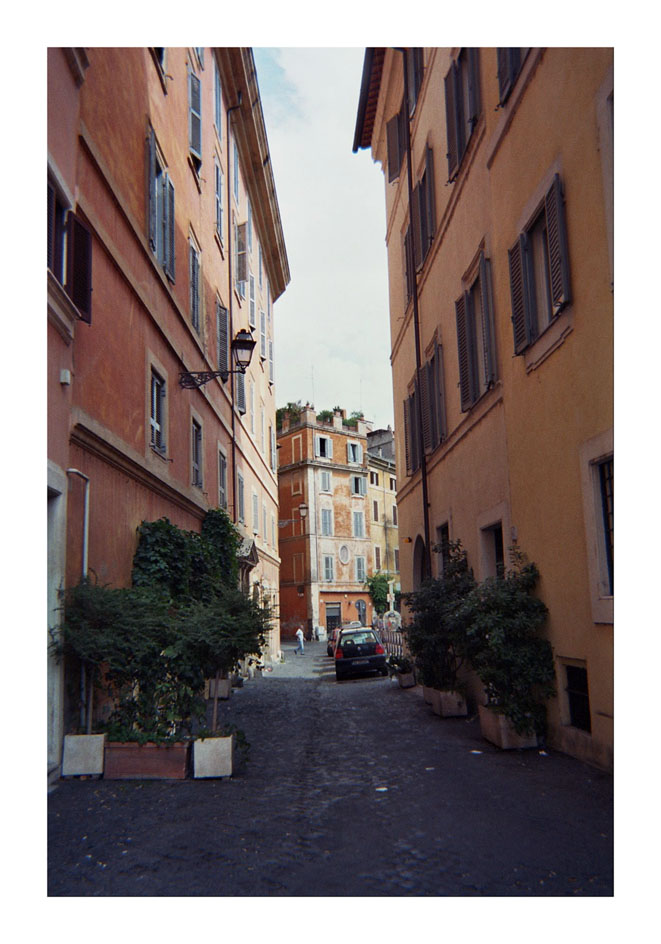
(498, 167)
(382, 495)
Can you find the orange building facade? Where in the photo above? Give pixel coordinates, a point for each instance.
(498, 168)
(325, 540)
(164, 241)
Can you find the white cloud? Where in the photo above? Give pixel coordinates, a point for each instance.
(332, 324)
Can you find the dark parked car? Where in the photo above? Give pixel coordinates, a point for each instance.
(332, 636)
(358, 651)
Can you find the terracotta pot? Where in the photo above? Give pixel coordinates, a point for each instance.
(448, 704)
(500, 731)
(126, 760)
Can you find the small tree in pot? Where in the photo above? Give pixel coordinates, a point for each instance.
(514, 663)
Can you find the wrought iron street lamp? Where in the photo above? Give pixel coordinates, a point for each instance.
(242, 347)
(303, 512)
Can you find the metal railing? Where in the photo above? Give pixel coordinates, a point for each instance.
(393, 642)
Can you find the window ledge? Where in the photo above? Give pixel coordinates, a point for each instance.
(62, 313)
(553, 336)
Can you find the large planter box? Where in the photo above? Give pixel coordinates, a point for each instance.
(448, 704)
(224, 688)
(406, 679)
(213, 757)
(500, 731)
(127, 760)
(82, 755)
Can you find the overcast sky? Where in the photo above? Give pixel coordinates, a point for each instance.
(332, 327)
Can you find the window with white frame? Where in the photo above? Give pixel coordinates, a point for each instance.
(475, 337)
(327, 522)
(157, 413)
(252, 407)
(325, 480)
(375, 510)
(161, 208)
(195, 120)
(271, 367)
(358, 485)
(265, 533)
(218, 101)
(196, 454)
(222, 479)
(262, 335)
(377, 558)
(252, 315)
(240, 258)
(328, 562)
(195, 283)
(235, 153)
(219, 200)
(323, 447)
(240, 498)
(354, 452)
(358, 524)
(255, 513)
(361, 571)
(223, 339)
(249, 224)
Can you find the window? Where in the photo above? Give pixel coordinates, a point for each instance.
(578, 697)
(325, 479)
(235, 152)
(69, 253)
(475, 338)
(218, 101)
(222, 334)
(265, 533)
(261, 267)
(396, 141)
(375, 511)
(358, 524)
(255, 513)
(358, 485)
(274, 449)
(396, 560)
(328, 567)
(161, 208)
(493, 557)
(241, 508)
(361, 572)
(377, 558)
(374, 478)
(252, 406)
(462, 106)
(605, 471)
(424, 212)
(196, 454)
(323, 447)
(194, 274)
(157, 413)
(354, 452)
(327, 522)
(240, 258)
(271, 368)
(393, 484)
(262, 334)
(443, 548)
(596, 463)
(394, 515)
(240, 392)
(195, 120)
(539, 270)
(252, 315)
(222, 479)
(510, 62)
(219, 202)
(249, 225)
(415, 67)
(424, 411)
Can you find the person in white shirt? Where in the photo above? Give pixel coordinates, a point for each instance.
(301, 647)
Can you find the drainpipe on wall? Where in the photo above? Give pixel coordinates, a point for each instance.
(85, 702)
(426, 562)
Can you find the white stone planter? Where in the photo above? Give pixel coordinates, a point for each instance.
(83, 755)
(448, 704)
(500, 731)
(406, 679)
(213, 757)
(224, 688)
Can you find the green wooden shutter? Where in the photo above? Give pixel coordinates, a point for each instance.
(79, 266)
(463, 348)
(557, 247)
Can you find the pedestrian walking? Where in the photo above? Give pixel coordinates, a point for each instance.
(301, 647)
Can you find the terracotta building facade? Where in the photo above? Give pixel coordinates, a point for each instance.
(382, 494)
(325, 538)
(164, 243)
(498, 171)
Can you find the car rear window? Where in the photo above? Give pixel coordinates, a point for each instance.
(357, 638)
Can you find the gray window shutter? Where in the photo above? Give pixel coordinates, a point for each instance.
(161, 392)
(463, 346)
(241, 254)
(395, 147)
(519, 292)
(557, 245)
(79, 266)
(430, 199)
(408, 264)
(169, 228)
(415, 428)
(440, 393)
(487, 321)
(240, 393)
(222, 322)
(407, 436)
(194, 287)
(418, 238)
(451, 123)
(473, 85)
(195, 105)
(151, 187)
(509, 65)
(425, 409)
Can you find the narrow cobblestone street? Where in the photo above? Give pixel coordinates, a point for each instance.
(350, 789)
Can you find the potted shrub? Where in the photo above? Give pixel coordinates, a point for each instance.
(436, 634)
(515, 664)
(402, 667)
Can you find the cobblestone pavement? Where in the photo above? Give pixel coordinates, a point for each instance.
(351, 789)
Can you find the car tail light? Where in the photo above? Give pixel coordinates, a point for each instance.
(380, 651)
(338, 653)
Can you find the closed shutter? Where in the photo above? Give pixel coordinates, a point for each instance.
(425, 411)
(430, 200)
(465, 385)
(487, 321)
(451, 122)
(408, 264)
(151, 188)
(222, 323)
(241, 254)
(271, 365)
(195, 116)
(240, 393)
(557, 246)
(394, 150)
(195, 287)
(415, 428)
(440, 393)
(407, 436)
(219, 203)
(418, 227)
(169, 228)
(518, 291)
(473, 86)
(504, 75)
(79, 266)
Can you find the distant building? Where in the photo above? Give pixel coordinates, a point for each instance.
(325, 538)
(164, 240)
(382, 489)
(498, 171)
